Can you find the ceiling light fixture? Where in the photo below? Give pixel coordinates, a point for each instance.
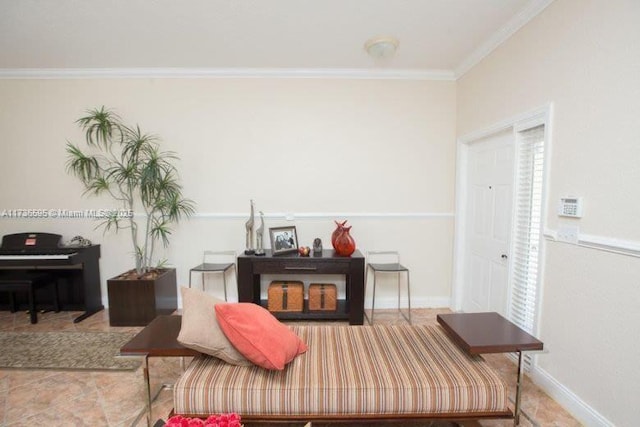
(381, 47)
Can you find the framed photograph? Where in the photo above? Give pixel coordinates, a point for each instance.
(283, 240)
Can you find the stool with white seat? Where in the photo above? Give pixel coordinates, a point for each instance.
(213, 262)
(388, 262)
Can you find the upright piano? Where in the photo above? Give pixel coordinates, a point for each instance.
(76, 268)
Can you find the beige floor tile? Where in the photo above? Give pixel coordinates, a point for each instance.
(20, 377)
(82, 410)
(51, 391)
(4, 392)
(84, 415)
(121, 394)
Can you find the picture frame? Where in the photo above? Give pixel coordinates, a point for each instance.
(283, 240)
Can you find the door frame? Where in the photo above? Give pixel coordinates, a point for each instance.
(540, 115)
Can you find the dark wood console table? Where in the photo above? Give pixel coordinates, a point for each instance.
(250, 267)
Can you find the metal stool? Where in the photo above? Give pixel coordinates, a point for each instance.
(391, 265)
(215, 267)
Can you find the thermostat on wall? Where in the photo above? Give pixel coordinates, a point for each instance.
(570, 206)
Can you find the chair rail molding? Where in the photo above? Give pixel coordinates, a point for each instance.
(601, 243)
(292, 216)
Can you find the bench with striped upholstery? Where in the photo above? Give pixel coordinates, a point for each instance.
(351, 372)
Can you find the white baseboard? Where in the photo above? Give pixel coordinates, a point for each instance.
(569, 400)
(424, 302)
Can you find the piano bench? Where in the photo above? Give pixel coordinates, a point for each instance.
(29, 282)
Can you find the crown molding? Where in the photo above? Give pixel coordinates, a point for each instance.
(520, 20)
(195, 73)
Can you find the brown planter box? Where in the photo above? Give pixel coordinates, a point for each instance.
(136, 302)
(323, 297)
(285, 296)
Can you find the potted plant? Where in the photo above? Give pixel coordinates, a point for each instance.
(126, 164)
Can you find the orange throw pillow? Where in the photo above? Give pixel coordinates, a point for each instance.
(258, 335)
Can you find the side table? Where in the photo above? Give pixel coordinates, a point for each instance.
(157, 339)
(479, 333)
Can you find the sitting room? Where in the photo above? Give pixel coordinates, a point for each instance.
(389, 185)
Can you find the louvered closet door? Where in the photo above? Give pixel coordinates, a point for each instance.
(488, 226)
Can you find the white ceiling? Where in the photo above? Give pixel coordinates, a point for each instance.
(436, 36)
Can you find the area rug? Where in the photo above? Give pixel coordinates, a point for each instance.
(65, 350)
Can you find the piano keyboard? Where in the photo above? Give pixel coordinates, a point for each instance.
(36, 257)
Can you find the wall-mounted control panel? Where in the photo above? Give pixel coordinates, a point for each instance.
(571, 207)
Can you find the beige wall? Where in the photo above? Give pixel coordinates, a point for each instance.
(583, 57)
(380, 153)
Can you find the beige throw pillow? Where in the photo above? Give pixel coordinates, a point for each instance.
(200, 330)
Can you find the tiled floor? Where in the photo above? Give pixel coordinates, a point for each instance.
(80, 398)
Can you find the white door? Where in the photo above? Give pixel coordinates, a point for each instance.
(488, 223)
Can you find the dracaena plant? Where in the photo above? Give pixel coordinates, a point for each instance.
(128, 165)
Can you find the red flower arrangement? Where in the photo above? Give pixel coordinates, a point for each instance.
(222, 420)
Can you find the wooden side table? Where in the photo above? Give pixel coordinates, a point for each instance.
(479, 333)
(157, 339)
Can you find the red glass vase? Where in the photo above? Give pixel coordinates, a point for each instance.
(337, 231)
(344, 243)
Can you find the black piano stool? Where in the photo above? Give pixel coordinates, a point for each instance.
(29, 283)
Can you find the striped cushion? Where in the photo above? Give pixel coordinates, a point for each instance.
(364, 370)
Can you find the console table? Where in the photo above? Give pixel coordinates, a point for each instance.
(251, 267)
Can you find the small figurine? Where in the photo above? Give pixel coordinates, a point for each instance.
(317, 247)
(304, 250)
(259, 233)
(249, 240)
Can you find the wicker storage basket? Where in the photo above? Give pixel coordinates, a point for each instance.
(285, 296)
(323, 296)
